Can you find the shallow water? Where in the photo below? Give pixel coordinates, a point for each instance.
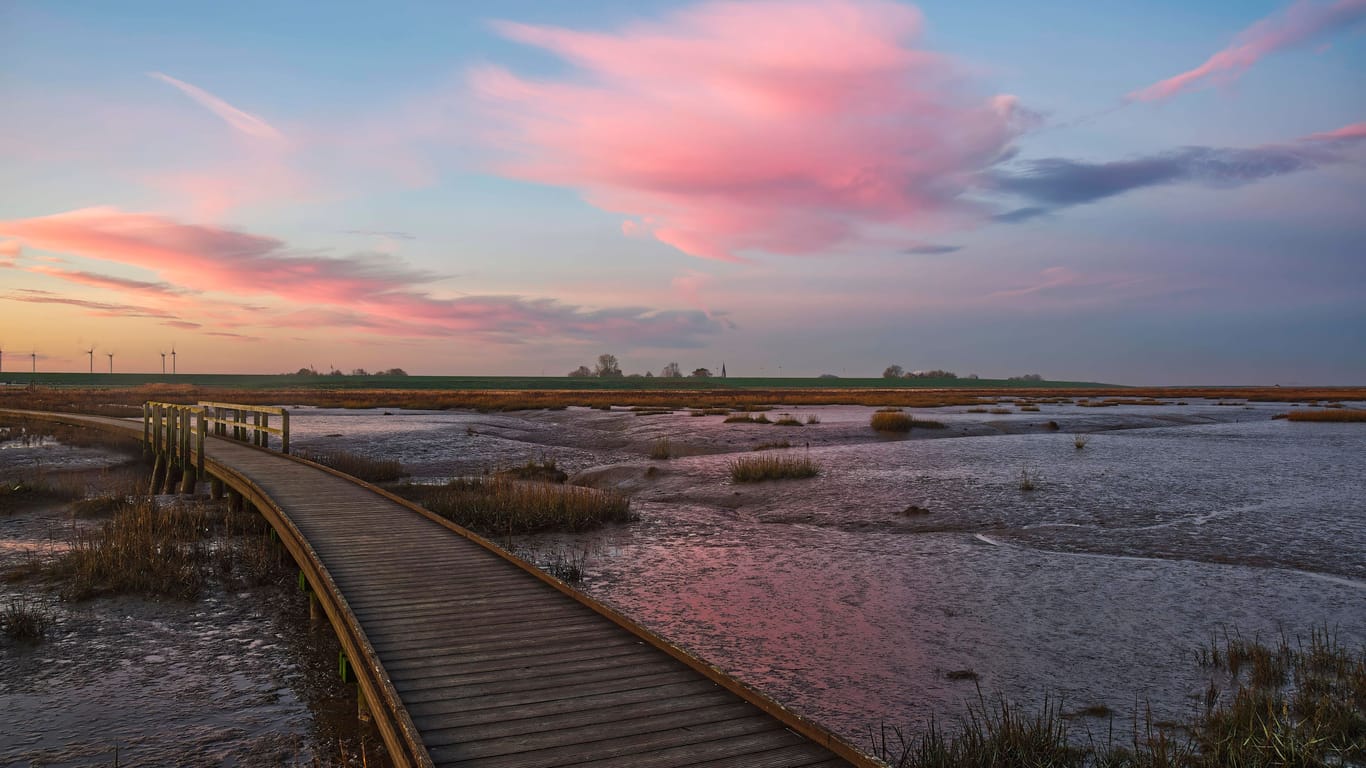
(1173, 523)
(236, 677)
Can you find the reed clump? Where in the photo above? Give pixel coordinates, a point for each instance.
(144, 549)
(892, 421)
(1329, 414)
(25, 619)
(753, 469)
(746, 418)
(499, 505)
(544, 470)
(788, 420)
(900, 421)
(661, 450)
(358, 466)
(772, 445)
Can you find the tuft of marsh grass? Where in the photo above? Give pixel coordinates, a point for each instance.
(25, 619)
(745, 418)
(891, 421)
(544, 470)
(1031, 408)
(753, 469)
(770, 446)
(1028, 480)
(1000, 411)
(962, 674)
(498, 506)
(899, 421)
(1080, 441)
(357, 466)
(812, 418)
(660, 449)
(145, 548)
(788, 420)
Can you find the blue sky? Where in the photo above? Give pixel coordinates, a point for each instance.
(516, 187)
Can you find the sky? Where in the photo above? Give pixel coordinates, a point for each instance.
(1136, 191)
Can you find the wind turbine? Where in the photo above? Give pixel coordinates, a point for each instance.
(172, 359)
(111, 362)
(34, 356)
(91, 352)
(163, 363)
(2, 358)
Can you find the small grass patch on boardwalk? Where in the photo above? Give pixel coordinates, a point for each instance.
(753, 469)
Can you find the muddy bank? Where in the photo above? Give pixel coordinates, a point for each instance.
(1173, 522)
(236, 676)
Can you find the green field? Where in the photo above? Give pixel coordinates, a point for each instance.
(508, 383)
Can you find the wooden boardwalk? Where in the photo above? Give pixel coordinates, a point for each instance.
(467, 658)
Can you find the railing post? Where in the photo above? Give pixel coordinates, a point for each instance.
(284, 430)
(146, 428)
(265, 430)
(199, 432)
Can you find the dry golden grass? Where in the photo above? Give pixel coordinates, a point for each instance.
(752, 469)
(499, 505)
(127, 401)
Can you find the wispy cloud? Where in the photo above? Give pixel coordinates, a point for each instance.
(244, 122)
(1053, 183)
(389, 233)
(363, 292)
(101, 308)
(931, 250)
(1301, 23)
(787, 126)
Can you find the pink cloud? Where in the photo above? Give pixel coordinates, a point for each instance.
(788, 126)
(1302, 23)
(10, 249)
(361, 292)
(243, 122)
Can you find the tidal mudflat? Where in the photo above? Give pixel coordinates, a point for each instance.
(235, 675)
(915, 568)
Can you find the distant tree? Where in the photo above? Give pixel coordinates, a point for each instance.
(581, 372)
(649, 375)
(934, 374)
(360, 372)
(607, 367)
(335, 372)
(306, 372)
(701, 373)
(1027, 377)
(392, 372)
(827, 376)
(893, 372)
(671, 371)
(972, 376)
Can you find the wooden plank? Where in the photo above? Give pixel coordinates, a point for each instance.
(550, 699)
(394, 638)
(630, 738)
(575, 726)
(766, 749)
(412, 682)
(439, 662)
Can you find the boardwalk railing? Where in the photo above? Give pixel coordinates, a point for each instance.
(231, 420)
(169, 430)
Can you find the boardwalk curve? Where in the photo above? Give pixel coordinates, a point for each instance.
(466, 656)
